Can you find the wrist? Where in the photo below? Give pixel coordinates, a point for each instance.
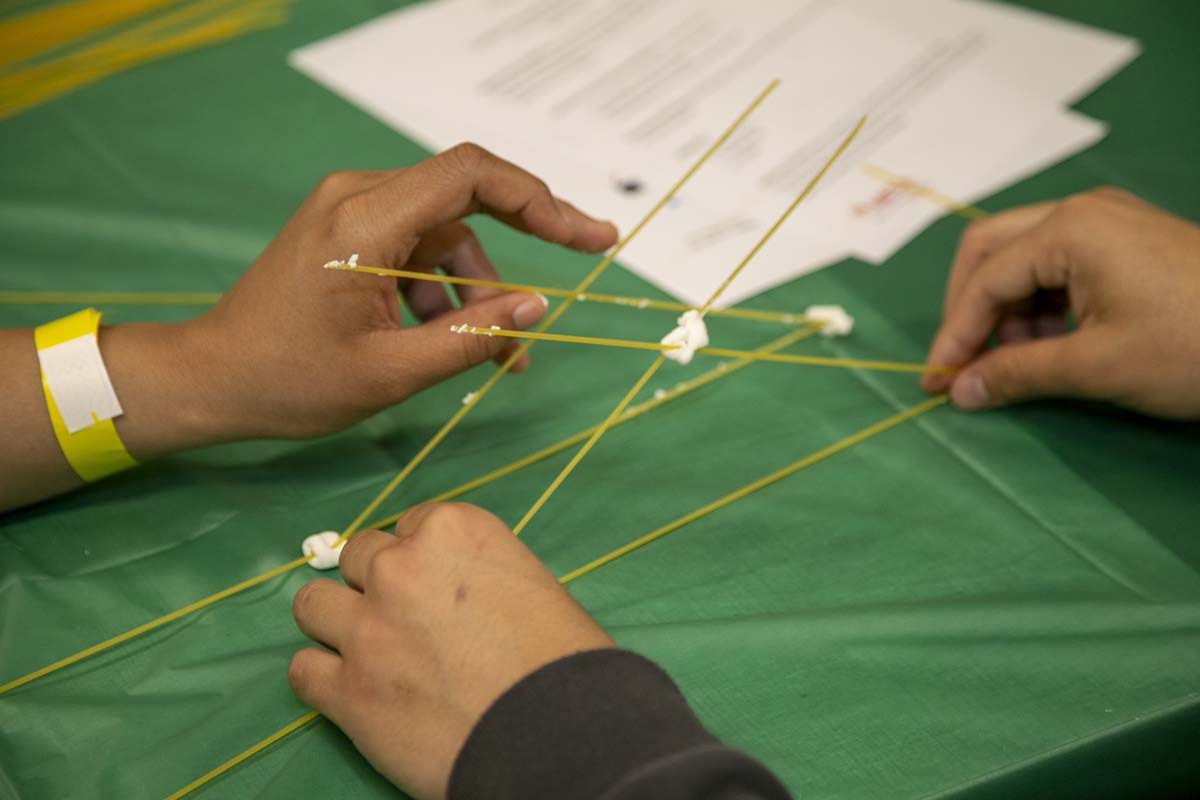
(163, 376)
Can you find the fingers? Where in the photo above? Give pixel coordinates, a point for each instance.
(426, 354)
(594, 236)
(1054, 367)
(323, 608)
(467, 179)
(357, 554)
(455, 248)
(984, 237)
(414, 518)
(1013, 274)
(426, 299)
(315, 677)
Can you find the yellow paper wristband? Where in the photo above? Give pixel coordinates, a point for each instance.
(97, 450)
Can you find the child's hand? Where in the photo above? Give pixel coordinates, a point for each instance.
(294, 350)
(1129, 273)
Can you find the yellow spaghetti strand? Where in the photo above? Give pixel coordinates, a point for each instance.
(589, 297)
(110, 298)
(912, 187)
(720, 371)
(812, 184)
(592, 566)
(152, 624)
(822, 361)
(552, 317)
(727, 368)
(658, 361)
(623, 344)
(599, 431)
(781, 358)
(751, 488)
(286, 730)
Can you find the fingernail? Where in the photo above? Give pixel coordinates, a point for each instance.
(970, 393)
(529, 312)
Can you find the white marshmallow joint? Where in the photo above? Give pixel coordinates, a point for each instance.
(350, 262)
(833, 320)
(320, 546)
(690, 335)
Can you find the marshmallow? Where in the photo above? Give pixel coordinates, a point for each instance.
(351, 262)
(834, 320)
(320, 546)
(690, 335)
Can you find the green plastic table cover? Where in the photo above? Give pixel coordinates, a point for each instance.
(966, 606)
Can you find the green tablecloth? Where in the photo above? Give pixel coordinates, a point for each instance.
(977, 606)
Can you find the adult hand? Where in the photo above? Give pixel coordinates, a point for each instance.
(432, 626)
(1128, 272)
(294, 350)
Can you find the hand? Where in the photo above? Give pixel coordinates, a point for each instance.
(296, 350)
(432, 626)
(1127, 271)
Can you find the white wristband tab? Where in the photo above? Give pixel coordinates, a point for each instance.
(79, 383)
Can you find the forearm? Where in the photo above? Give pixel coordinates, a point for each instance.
(159, 375)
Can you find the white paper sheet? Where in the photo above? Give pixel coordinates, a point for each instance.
(609, 100)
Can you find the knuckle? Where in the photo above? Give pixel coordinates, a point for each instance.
(466, 156)
(455, 521)
(1080, 206)
(976, 235)
(336, 184)
(347, 215)
(387, 565)
(443, 515)
(1110, 193)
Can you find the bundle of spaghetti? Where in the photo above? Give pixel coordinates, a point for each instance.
(192, 26)
(35, 33)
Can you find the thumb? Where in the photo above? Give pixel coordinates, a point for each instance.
(432, 352)
(1051, 367)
